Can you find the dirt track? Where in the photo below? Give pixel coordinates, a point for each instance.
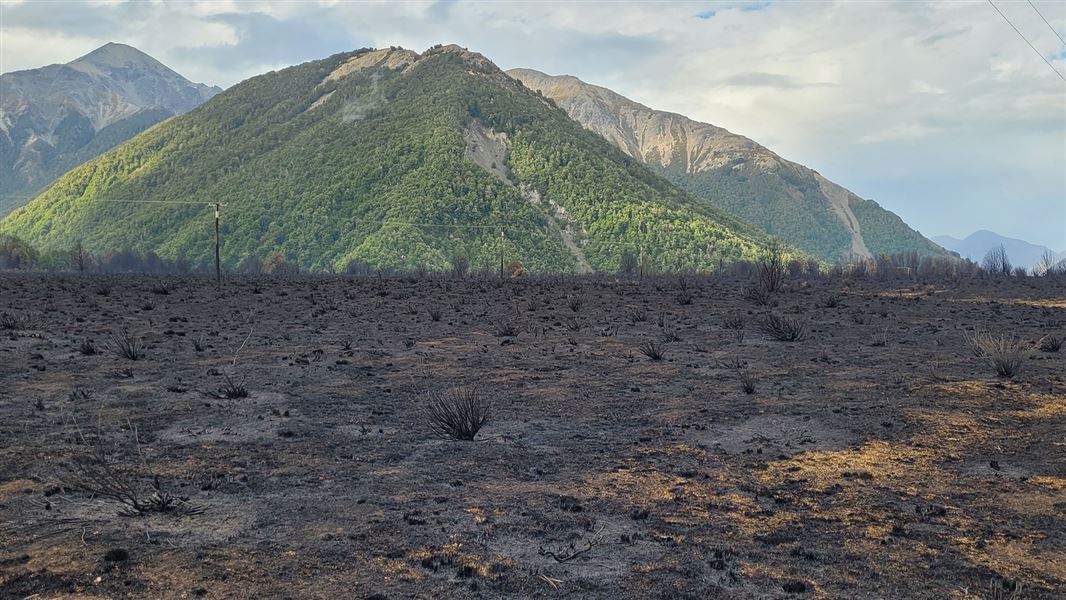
(877, 457)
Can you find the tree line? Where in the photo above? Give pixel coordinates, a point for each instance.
(18, 255)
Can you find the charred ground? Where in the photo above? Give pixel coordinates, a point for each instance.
(877, 457)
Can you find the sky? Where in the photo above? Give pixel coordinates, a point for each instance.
(939, 111)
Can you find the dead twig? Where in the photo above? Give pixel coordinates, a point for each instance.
(94, 473)
(552, 581)
(562, 557)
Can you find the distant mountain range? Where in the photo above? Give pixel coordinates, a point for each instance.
(978, 243)
(384, 158)
(56, 117)
(735, 174)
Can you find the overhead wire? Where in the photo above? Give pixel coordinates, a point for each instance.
(353, 220)
(158, 202)
(1026, 40)
(582, 245)
(1049, 26)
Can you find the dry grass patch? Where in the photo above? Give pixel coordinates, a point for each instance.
(1005, 353)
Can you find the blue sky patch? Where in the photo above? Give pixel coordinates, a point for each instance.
(753, 6)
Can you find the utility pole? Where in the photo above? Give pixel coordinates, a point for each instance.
(501, 253)
(218, 245)
(641, 279)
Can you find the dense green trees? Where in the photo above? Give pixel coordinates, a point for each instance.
(15, 253)
(789, 205)
(763, 200)
(886, 233)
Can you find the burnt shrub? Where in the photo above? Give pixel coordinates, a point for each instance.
(782, 328)
(457, 414)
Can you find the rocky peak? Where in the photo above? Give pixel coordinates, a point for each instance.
(468, 56)
(115, 55)
(395, 57)
(657, 137)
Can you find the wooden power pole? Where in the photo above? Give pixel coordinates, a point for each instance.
(501, 254)
(218, 246)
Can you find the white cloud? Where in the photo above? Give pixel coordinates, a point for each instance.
(924, 87)
(16, 44)
(900, 131)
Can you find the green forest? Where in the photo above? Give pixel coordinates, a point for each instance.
(886, 233)
(788, 204)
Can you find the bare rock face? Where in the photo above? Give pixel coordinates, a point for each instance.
(389, 58)
(56, 117)
(653, 136)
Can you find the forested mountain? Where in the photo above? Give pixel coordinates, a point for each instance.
(59, 116)
(737, 175)
(389, 159)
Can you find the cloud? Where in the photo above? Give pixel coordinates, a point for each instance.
(940, 123)
(924, 87)
(260, 39)
(771, 80)
(898, 131)
(753, 6)
(441, 9)
(944, 35)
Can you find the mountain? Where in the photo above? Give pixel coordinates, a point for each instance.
(59, 116)
(735, 174)
(386, 158)
(978, 243)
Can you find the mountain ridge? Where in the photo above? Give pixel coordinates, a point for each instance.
(51, 117)
(383, 158)
(736, 174)
(977, 244)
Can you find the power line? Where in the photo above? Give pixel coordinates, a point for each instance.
(156, 202)
(310, 214)
(587, 244)
(125, 201)
(457, 226)
(407, 223)
(1040, 54)
(313, 215)
(1053, 30)
(179, 202)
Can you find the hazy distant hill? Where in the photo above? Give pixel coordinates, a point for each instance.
(59, 116)
(392, 159)
(736, 174)
(978, 243)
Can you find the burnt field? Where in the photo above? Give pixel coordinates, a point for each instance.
(657, 440)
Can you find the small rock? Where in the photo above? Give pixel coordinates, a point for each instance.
(116, 555)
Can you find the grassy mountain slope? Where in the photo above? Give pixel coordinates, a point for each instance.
(737, 175)
(338, 159)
